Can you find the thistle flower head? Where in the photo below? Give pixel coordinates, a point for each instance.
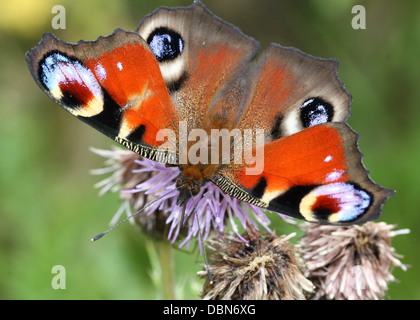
(350, 262)
(265, 267)
(142, 182)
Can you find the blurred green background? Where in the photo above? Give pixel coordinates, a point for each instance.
(48, 207)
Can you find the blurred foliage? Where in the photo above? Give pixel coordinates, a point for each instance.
(48, 207)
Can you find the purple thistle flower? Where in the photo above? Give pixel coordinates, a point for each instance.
(143, 182)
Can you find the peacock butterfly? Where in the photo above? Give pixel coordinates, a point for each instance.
(186, 68)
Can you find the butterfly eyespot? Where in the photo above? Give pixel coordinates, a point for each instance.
(335, 203)
(315, 111)
(165, 44)
(69, 81)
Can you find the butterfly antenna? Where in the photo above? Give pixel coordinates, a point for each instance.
(99, 236)
(200, 237)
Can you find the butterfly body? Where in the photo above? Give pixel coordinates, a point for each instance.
(186, 89)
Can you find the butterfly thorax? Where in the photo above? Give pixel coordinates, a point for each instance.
(207, 150)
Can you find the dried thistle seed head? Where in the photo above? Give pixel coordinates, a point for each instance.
(265, 267)
(350, 262)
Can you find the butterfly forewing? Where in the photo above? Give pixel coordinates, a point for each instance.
(114, 84)
(209, 52)
(324, 182)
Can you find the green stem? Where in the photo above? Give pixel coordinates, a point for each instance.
(164, 249)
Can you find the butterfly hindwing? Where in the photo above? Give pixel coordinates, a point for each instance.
(198, 54)
(291, 90)
(114, 84)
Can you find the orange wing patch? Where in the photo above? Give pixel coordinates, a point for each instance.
(311, 157)
(138, 88)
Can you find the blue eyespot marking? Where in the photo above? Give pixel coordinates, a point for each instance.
(315, 111)
(165, 44)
